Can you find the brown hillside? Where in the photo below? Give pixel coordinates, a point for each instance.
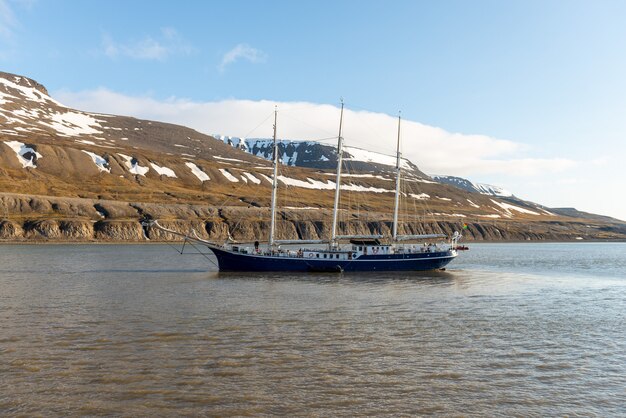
(67, 174)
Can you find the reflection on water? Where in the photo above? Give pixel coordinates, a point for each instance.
(139, 330)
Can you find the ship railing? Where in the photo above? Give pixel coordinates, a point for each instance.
(416, 237)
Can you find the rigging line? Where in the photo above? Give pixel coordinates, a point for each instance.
(169, 244)
(354, 198)
(330, 138)
(424, 203)
(359, 116)
(231, 196)
(310, 125)
(203, 254)
(377, 152)
(181, 252)
(255, 194)
(238, 223)
(259, 125)
(287, 107)
(358, 107)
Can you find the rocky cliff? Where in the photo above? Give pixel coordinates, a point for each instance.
(40, 219)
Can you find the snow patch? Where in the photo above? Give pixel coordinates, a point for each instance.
(370, 176)
(73, 124)
(29, 93)
(329, 185)
(229, 176)
(292, 160)
(201, 175)
(101, 163)
(268, 178)
(227, 159)
(309, 184)
(358, 154)
(300, 208)
(233, 141)
(508, 208)
(547, 212)
(423, 180)
(26, 155)
(359, 188)
(252, 178)
(163, 171)
(133, 165)
(489, 189)
(10, 132)
(28, 114)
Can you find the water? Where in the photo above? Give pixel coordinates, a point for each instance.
(137, 330)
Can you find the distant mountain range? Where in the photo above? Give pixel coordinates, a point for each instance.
(313, 154)
(464, 184)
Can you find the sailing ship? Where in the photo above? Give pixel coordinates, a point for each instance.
(340, 252)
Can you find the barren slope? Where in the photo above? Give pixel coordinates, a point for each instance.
(67, 174)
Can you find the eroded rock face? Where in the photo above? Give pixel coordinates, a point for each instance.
(10, 230)
(58, 230)
(218, 230)
(126, 231)
(42, 229)
(76, 230)
(41, 218)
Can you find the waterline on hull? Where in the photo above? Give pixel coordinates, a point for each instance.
(229, 261)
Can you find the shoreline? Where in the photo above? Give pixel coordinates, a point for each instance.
(153, 242)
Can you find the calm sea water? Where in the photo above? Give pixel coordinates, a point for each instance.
(137, 330)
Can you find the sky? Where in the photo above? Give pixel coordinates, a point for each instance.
(527, 95)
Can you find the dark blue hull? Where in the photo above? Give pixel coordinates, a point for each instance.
(234, 261)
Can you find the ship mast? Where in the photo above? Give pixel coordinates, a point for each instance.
(333, 240)
(274, 182)
(397, 199)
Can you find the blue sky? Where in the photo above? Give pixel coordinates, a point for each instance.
(532, 90)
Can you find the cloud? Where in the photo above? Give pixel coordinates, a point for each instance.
(242, 51)
(168, 43)
(433, 149)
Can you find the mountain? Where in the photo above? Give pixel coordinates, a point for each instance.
(311, 154)
(67, 174)
(96, 155)
(464, 184)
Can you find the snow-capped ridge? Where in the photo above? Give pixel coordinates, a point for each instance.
(467, 185)
(491, 190)
(312, 154)
(27, 108)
